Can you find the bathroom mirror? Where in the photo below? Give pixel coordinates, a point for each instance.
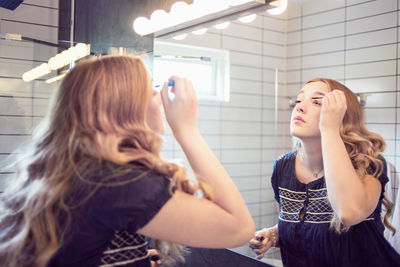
(261, 65)
(270, 58)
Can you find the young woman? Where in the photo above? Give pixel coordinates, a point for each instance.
(92, 183)
(330, 189)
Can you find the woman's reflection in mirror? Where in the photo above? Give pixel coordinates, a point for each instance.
(330, 189)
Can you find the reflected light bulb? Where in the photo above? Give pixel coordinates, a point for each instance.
(26, 77)
(222, 26)
(180, 37)
(200, 31)
(248, 19)
(82, 49)
(52, 63)
(280, 9)
(65, 58)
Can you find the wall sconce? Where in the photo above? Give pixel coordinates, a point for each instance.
(362, 99)
(203, 14)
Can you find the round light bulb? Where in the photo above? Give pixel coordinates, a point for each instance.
(43, 69)
(141, 26)
(158, 16)
(52, 63)
(82, 50)
(179, 13)
(59, 61)
(159, 20)
(178, 8)
(66, 57)
(27, 76)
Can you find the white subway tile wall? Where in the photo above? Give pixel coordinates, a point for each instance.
(354, 41)
(251, 138)
(22, 104)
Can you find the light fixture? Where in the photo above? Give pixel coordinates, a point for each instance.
(184, 18)
(280, 9)
(60, 60)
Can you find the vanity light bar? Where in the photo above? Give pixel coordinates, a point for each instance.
(184, 18)
(37, 72)
(62, 59)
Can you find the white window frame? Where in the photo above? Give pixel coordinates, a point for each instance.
(219, 62)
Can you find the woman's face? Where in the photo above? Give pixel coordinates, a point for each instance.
(155, 113)
(304, 121)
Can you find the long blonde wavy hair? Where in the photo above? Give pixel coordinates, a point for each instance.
(97, 115)
(364, 147)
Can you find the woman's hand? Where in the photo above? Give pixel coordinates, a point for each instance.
(333, 110)
(181, 111)
(262, 241)
(153, 252)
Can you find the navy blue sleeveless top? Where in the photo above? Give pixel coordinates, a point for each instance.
(310, 242)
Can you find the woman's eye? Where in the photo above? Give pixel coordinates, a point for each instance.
(297, 101)
(317, 102)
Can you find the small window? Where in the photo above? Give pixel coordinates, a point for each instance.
(208, 69)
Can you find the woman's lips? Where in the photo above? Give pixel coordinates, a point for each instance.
(298, 118)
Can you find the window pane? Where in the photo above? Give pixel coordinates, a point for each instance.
(200, 73)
